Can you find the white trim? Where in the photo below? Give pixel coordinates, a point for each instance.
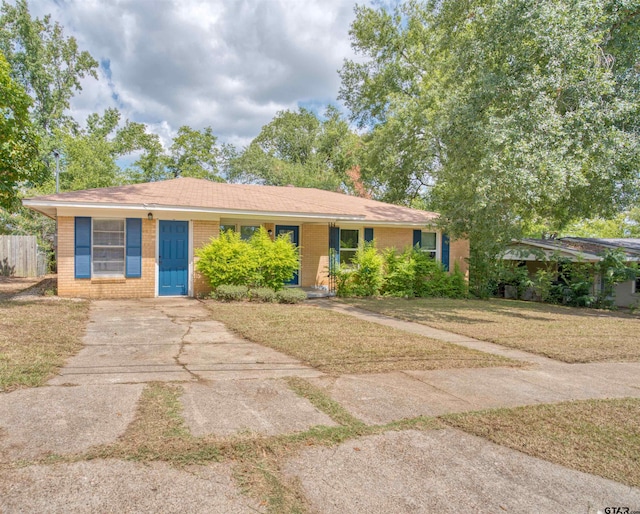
(175, 208)
(51, 208)
(124, 250)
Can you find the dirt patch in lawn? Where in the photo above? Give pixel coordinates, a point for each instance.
(601, 437)
(12, 285)
(36, 338)
(563, 333)
(336, 343)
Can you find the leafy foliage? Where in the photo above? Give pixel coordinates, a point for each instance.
(227, 293)
(19, 163)
(502, 113)
(47, 64)
(297, 148)
(292, 295)
(259, 262)
(410, 273)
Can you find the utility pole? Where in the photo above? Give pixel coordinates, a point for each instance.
(56, 156)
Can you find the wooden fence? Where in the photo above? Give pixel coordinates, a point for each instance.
(20, 256)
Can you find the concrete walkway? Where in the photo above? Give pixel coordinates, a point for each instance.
(390, 396)
(232, 386)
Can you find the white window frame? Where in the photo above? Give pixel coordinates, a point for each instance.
(349, 250)
(434, 251)
(99, 274)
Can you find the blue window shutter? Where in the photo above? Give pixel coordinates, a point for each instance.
(368, 235)
(134, 248)
(445, 251)
(82, 247)
(334, 243)
(417, 237)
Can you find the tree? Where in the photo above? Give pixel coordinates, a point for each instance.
(19, 164)
(47, 64)
(90, 155)
(503, 113)
(297, 148)
(194, 153)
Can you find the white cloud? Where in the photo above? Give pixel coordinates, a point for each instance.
(228, 64)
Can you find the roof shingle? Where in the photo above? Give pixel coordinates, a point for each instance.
(204, 194)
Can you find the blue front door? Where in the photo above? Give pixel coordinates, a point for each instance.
(173, 275)
(293, 233)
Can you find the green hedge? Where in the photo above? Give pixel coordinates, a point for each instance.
(407, 274)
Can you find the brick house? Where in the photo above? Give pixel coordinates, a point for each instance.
(139, 240)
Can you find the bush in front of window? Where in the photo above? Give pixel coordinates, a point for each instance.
(228, 260)
(259, 262)
(277, 260)
(410, 273)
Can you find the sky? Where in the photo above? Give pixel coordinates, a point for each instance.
(227, 64)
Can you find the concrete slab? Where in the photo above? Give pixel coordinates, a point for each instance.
(116, 486)
(36, 422)
(446, 471)
(261, 406)
(382, 398)
(127, 341)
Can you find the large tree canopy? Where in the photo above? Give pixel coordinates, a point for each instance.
(47, 64)
(297, 148)
(18, 140)
(502, 112)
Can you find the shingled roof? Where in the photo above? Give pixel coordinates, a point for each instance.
(190, 194)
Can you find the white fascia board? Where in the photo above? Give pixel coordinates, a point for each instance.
(167, 209)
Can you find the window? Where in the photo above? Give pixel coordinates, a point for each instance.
(246, 231)
(108, 248)
(636, 286)
(224, 228)
(348, 245)
(428, 244)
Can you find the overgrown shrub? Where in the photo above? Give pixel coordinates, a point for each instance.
(292, 295)
(399, 273)
(262, 294)
(367, 264)
(228, 260)
(231, 293)
(259, 262)
(277, 260)
(410, 273)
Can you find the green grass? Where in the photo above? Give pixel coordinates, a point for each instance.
(36, 338)
(601, 437)
(562, 333)
(337, 343)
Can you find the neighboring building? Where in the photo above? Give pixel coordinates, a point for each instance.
(538, 253)
(139, 240)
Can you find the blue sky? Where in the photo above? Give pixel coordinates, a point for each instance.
(228, 64)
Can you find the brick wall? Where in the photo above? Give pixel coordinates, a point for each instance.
(314, 242)
(68, 285)
(203, 231)
(398, 238)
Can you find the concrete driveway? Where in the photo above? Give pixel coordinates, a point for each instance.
(232, 386)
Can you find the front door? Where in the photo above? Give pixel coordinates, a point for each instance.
(293, 232)
(173, 258)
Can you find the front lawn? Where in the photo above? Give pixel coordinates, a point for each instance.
(337, 343)
(36, 337)
(564, 333)
(601, 437)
